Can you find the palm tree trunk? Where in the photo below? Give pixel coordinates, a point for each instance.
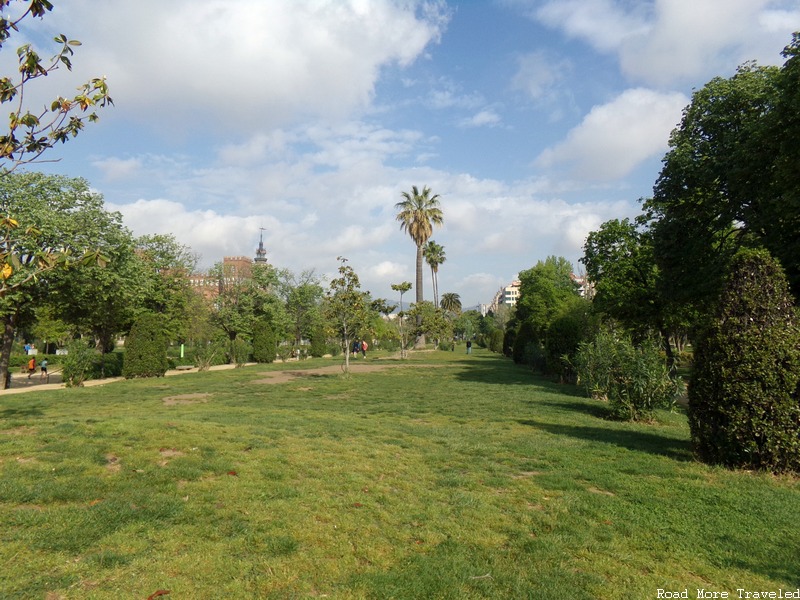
(420, 341)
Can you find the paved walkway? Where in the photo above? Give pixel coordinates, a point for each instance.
(21, 384)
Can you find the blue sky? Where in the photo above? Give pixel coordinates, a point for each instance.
(534, 120)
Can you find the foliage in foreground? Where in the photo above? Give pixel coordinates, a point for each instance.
(634, 379)
(744, 396)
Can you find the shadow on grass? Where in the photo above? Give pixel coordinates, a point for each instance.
(21, 411)
(638, 441)
(496, 369)
(593, 408)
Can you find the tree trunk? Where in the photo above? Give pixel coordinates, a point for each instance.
(420, 341)
(9, 321)
(667, 347)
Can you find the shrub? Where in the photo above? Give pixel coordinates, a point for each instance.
(146, 348)
(496, 341)
(634, 379)
(264, 342)
(565, 333)
(525, 336)
(744, 404)
(240, 352)
(77, 363)
(319, 343)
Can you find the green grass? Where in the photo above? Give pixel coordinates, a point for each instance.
(445, 476)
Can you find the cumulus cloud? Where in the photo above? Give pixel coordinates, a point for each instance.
(484, 118)
(614, 138)
(237, 63)
(670, 42)
(602, 23)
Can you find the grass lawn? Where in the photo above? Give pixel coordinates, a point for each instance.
(443, 476)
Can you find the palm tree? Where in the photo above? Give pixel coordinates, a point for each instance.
(402, 288)
(434, 256)
(451, 302)
(418, 213)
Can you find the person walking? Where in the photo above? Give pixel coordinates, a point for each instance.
(43, 367)
(31, 366)
(364, 348)
(469, 346)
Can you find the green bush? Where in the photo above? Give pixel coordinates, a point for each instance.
(146, 348)
(495, 342)
(109, 364)
(634, 379)
(319, 343)
(744, 399)
(77, 364)
(264, 342)
(574, 325)
(525, 335)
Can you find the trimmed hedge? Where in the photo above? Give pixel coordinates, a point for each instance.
(744, 399)
(146, 348)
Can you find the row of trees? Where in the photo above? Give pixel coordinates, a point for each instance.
(714, 260)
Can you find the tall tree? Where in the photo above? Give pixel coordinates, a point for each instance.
(715, 191)
(165, 266)
(67, 228)
(302, 295)
(30, 134)
(346, 308)
(418, 213)
(544, 290)
(434, 255)
(451, 302)
(402, 288)
(620, 265)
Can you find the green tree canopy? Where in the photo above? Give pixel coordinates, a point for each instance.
(346, 308)
(68, 231)
(544, 290)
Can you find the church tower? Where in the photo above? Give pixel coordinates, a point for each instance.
(261, 252)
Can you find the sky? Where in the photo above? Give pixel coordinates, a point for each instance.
(304, 120)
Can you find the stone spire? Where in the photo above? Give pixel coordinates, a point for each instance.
(261, 252)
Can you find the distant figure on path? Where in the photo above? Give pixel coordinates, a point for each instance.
(31, 366)
(469, 346)
(364, 348)
(43, 367)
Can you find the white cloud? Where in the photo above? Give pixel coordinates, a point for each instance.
(670, 42)
(238, 64)
(602, 23)
(616, 137)
(484, 118)
(118, 168)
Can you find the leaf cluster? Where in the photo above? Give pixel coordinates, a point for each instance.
(30, 134)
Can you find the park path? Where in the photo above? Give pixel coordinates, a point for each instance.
(21, 384)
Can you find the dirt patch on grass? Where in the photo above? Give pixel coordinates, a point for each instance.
(526, 474)
(595, 490)
(112, 463)
(355, 367)
(21, 430)
(186, 399)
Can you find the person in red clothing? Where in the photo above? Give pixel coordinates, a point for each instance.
(364, 348)
(31, 366)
